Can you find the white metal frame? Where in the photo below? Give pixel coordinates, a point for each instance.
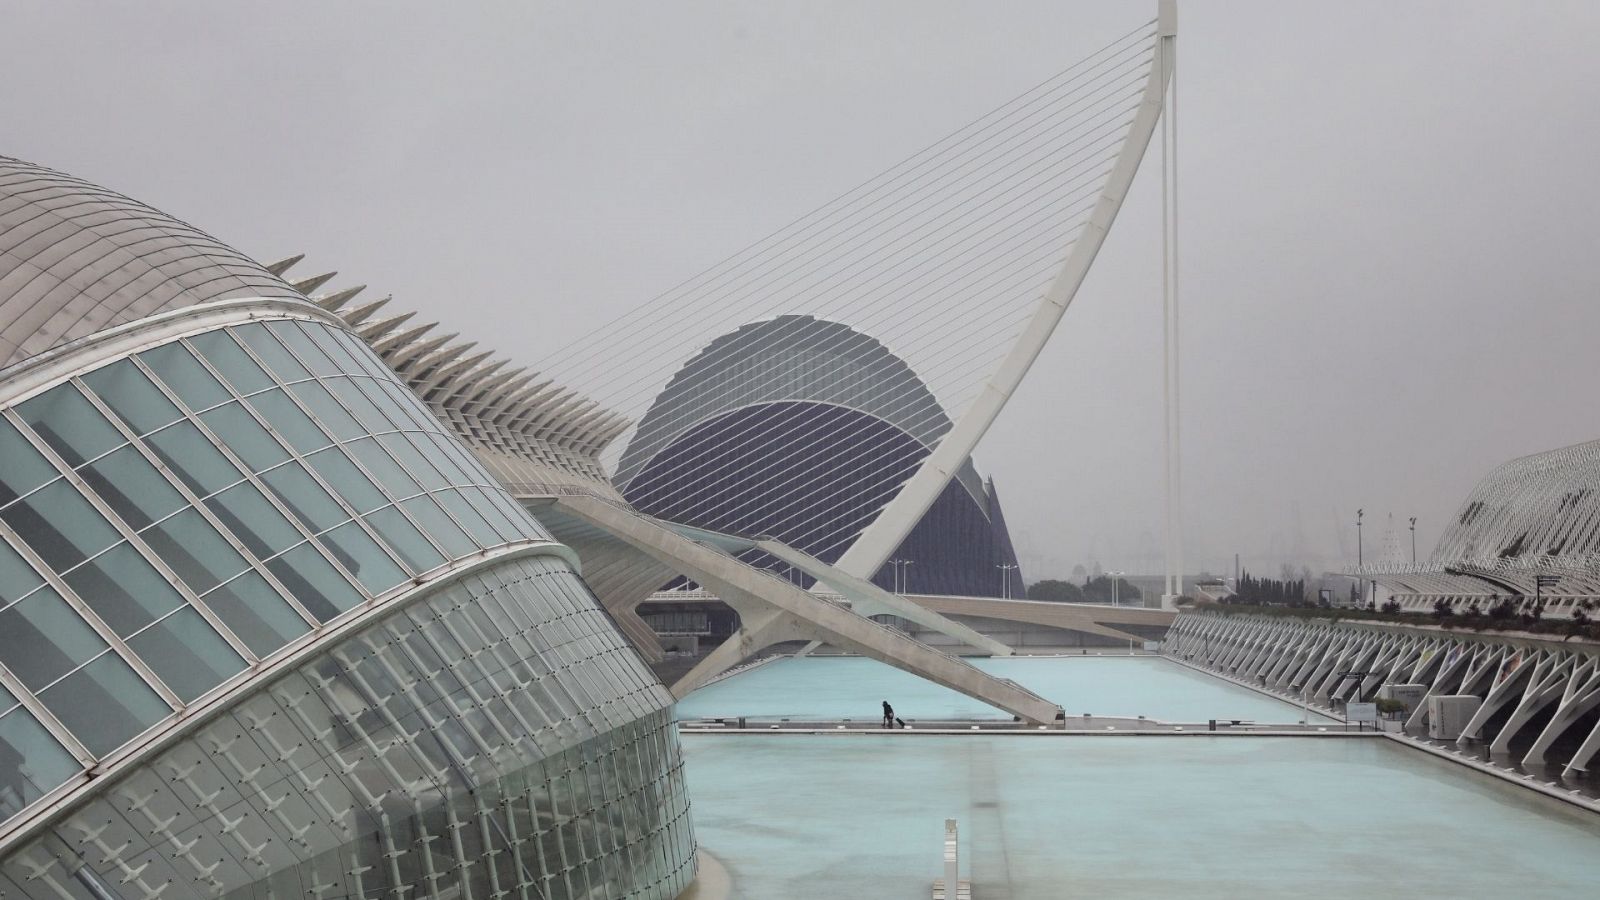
(897, 518)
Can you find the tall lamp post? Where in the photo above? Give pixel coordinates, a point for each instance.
(1413, 540)
(1359, 514)
(900, 574)
(1005, 580)
(1115, 578)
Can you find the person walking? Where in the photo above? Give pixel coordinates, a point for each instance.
(888, 715)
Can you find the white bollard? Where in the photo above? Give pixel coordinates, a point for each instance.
(951, 887)
(952, 862)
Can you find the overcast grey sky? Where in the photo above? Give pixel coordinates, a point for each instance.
(1389, 211)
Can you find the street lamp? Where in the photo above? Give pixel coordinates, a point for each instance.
(1115, 578)
(900, 574)
(1540, 582)
(1005, 579)
(1359, 514)
(1413, 540)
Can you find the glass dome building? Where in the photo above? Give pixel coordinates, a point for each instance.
(803, 429)
(266, 628)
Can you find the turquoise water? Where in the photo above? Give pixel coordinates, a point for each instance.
(837, 687)
(1050, 816)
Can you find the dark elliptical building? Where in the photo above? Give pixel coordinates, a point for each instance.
(267, 629)
(802, 429)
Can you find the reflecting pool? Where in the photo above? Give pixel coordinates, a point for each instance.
(861, 814)
(840, 687)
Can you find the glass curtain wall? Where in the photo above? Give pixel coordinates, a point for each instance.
(172, 518)
(496, 739)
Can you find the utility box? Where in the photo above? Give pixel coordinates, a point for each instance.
(1448, 715)
(1409, 694)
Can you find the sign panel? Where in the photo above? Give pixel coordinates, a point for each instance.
(1361, 712)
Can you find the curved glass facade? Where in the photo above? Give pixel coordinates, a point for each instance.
(171, 518)
(267, 628)
(495, 739)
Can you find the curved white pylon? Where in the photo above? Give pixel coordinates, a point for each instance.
(895, 521)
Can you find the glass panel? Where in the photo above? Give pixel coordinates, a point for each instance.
(279, 360)
(241, 433)
(328, 413)
(22, 468)
(356, 489)
(358, 403)
(105, 704)
(363, 355)
(286, 418)
(132, 487)
(42, 638)
(31, 762)
(363, 558)
(305, 499)
(525, 524)
(235, 365)
(186, 451)
(469, 463)
(183, 374)
(124, 589)
(253, 610)
(484, 503)
(195, 550)
(403, 448)
(443, 456)
(186, 653)
(70, 424)
(60, 525)
(404, 537)
(296, 340)
(410, 405)
(439, 527)
(132, 396)
(328, 340)
(313, 581)
(460, 506)
(396, 483)
(254, 520)
(391, 410)
(17, 578)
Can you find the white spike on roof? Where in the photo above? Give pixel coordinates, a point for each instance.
(333, 301)
(357, 315)
(283, 265)
(459, 385)
(307, 285)
(374, 330)
(389, 342)
(446, 375)
(406, 359)
(497, 407)
(424, 366)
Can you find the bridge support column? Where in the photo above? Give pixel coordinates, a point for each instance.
(1581, 695)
